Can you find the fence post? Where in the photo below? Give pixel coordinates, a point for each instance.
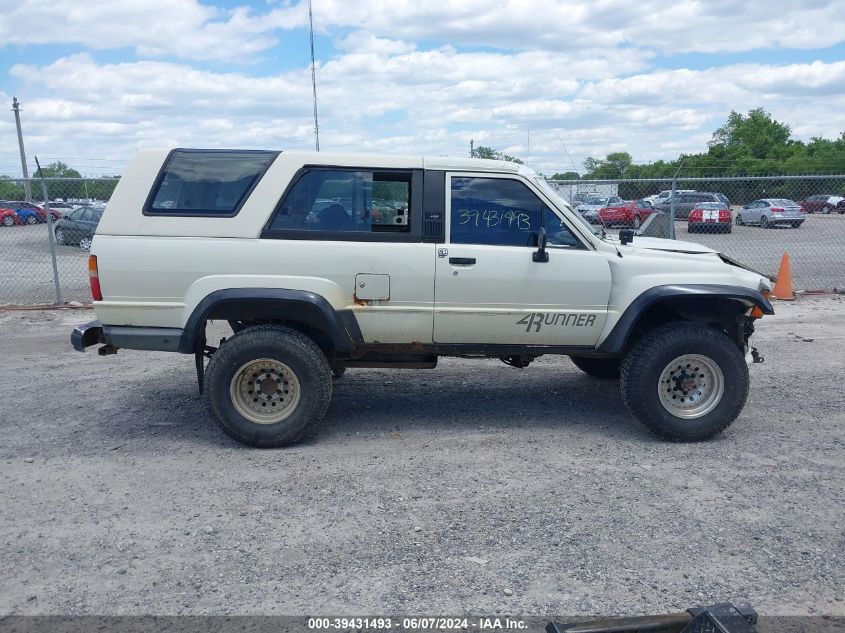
(50, 235)
(672, 203)
(672, 208)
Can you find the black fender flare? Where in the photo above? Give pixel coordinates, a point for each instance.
(618, 338)
(301, 306)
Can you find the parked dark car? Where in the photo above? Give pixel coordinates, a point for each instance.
(78, 227)
(686, 202)
(823, 203)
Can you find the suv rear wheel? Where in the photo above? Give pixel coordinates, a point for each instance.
(267, 385)
(685, 381)
(598, 367)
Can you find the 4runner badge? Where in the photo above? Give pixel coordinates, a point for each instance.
(537, 319)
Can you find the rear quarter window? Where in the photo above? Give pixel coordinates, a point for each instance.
(206, 182)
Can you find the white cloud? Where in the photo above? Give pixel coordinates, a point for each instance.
(153, 28)
(434, 101)
(419, 77)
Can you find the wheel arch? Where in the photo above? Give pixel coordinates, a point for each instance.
(272, 305)
(704, 303)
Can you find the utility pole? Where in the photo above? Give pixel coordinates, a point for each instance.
(314, 79)
(26, 188)
(472, 148)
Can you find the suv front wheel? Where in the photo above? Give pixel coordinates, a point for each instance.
(267, 385)
(685, 382)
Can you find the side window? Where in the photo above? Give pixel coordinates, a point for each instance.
(556, 232)
(502, 212)
(494, 211)
(87, 215)
(346, 200)
(206, 182)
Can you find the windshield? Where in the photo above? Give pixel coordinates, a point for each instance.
(561, 203)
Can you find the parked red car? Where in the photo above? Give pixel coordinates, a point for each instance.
(8, 217)
(628, 213)
(823, 203)
(709, 217)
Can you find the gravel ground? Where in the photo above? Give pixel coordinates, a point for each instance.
(471, 488)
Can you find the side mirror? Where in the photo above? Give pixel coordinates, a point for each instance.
(626, 236)
(540, 255)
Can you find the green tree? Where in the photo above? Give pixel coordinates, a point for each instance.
(757, 134)
(483, 151)
(615, 165)
(62, 181)
(567, 175)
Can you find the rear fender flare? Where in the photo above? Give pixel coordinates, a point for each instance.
(273, 304)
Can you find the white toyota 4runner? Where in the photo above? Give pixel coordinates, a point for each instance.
(323, 261)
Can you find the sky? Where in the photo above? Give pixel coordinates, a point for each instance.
(98, 80)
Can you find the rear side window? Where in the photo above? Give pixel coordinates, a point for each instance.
(207, 182)
(346, 200)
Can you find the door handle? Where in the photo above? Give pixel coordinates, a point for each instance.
(464, 261)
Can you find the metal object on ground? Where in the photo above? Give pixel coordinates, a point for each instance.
(723, 617)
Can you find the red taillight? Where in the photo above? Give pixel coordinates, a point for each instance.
(94, 278)
(777, 210)
(695, 214)
(802, 210)
(724, 216)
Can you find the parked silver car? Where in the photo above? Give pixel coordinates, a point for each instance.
(769, 212)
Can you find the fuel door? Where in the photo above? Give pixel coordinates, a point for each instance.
(370, 287)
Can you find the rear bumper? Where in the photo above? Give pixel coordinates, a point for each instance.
(86, 335)
(703, 226)
(160, 339)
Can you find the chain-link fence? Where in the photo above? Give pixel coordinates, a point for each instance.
(44, 240)
(752, 219)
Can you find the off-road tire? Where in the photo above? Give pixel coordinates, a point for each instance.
(285, 345)
(607, 368)
(641, 373)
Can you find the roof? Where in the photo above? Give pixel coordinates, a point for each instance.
(394, 161)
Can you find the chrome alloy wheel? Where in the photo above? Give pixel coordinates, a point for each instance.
(691, 386)
(265, 391)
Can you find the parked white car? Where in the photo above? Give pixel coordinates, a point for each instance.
(486, 261)
(665, 195)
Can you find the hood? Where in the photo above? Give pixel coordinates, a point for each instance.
(672, 246)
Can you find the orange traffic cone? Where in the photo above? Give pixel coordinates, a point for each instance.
(783, 285)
